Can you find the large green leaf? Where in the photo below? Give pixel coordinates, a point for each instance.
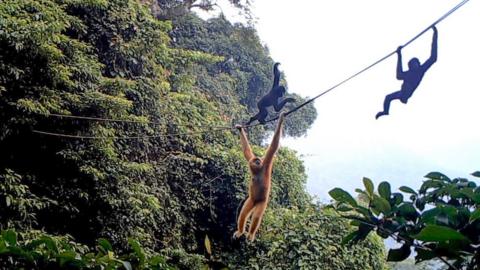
(476, 174)
(137, 249)
(50, 243)
(105, 244)
(349, 237)
(364, 211)
(3, 247)
(408, 211)
(430, 184)
(407, 190)
(126, 265)
(396, 199)
(368, 186)
(420, 203)
(384, 190)
(437, 176)
(423, 255)
(344, 208)
(429, 216)
(208, 245)
(66, 257)
(380, 204)
(363, 230)
(341, 195)
(10, 237)
(400, 254)
(436, 233)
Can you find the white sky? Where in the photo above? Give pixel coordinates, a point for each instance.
(320, 43)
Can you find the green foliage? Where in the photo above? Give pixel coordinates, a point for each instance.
(117, 63)
(306, 239)
(37, 250)
(113, 59)
(19, 204)
(440, 220)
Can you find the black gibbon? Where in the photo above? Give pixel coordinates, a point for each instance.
(260, 182)
(271, 98)
(412, 77)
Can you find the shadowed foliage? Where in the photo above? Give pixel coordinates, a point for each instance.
(141, 203)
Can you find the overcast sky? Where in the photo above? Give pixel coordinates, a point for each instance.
(320, 43)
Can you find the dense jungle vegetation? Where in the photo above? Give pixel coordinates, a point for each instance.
(152, 201)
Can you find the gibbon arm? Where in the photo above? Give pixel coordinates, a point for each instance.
(433, 57)
(400, 73)
(247, 150)
(272, 149)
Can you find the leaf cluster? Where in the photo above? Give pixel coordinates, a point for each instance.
(308, 238)
(441, 220)
(38, 250)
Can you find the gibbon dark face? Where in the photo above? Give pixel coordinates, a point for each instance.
(256, 164)
(413, 64)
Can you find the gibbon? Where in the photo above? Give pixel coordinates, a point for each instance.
(411, 78)
(271, 98)
(260, 182)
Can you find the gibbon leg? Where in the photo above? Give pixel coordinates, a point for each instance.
(262, 115)
(253, 118)
(279, 105)
(256, 219)
(386, 104)
(242, 219)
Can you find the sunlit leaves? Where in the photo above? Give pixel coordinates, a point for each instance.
(208, 245)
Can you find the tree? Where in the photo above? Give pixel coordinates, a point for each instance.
(246, 71)
(161, 174)
(169, 9)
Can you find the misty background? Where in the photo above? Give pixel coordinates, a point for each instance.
(320, 43)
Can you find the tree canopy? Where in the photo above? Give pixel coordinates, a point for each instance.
(130, 194)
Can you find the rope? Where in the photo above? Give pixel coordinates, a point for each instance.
(100, 119)
(82, 137)
(367, 68)
(97, 118)
(221, 128)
